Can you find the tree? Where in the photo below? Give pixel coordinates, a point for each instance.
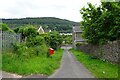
(100, 23)
(54, 39)
(113, 8)
(4, 27)
(27, 31)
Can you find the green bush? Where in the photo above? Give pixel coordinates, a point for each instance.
(27, 31)
(42, 50)
(20, 48)
(54, 39)
(37, 40)
(79, 43)
(36, 50)
(33, 43)
(67, 39)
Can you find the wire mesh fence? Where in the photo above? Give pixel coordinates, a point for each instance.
(8, 40)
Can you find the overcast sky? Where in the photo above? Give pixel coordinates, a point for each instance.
(64, 9)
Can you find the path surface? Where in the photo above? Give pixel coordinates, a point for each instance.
(9, 75)
(71, 68)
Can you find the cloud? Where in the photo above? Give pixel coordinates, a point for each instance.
(65, 9)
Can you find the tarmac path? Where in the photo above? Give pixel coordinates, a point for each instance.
(70, 67)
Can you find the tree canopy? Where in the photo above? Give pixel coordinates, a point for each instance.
(4, 27)
(101, 24)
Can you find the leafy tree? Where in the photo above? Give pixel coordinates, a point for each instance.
(27, 31)
(100, 24)
(33, 43)
(113, 19)
(67, 39)
(4, 27)
(54, 39)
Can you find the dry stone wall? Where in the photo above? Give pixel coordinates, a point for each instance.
(109, 52)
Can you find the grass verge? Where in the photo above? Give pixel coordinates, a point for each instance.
(99, 68)
(33, 65)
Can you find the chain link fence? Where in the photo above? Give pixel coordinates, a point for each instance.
(8, 40)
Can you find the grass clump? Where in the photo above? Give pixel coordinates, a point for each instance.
(99, 68)
(31, 65)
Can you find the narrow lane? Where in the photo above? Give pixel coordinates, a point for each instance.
(71, 68)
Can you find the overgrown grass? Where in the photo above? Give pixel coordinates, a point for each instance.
(99, 68)
(33, 65)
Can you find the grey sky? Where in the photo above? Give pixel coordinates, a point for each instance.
(64, 9)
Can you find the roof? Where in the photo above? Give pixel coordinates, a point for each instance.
(76, 29)
(40, 29)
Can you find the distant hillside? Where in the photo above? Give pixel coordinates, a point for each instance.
(52, 23)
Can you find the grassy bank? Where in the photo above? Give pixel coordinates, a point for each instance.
(33, 65)
(99, 68)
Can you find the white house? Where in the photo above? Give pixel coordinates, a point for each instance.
(41, 30)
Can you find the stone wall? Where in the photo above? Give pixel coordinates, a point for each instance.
(109, 52)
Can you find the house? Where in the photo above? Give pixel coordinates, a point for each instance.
(76, 36)
(40, 30)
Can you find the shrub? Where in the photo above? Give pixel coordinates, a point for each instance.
(33, 41)
(79, 43)
(54, 39)
(19, 48)
(36, 50)
(27, 31)
(42, 50)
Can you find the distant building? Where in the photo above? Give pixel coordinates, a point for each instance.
(47, 30)
(76, 35)
(40, 30)
(65, 33)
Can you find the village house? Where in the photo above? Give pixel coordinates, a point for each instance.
(41, 30)
(76, 36)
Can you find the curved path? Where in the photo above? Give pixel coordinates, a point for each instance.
(71, 68)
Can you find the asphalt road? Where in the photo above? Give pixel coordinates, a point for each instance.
(70, 67)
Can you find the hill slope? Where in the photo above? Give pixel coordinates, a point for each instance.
(52, 23)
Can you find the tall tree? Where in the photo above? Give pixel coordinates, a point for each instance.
(100, 24)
